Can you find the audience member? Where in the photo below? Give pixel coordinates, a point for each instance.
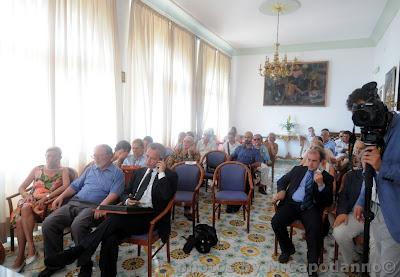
(303, 194)
(188, 153)
(263, 168)
(206, 144)
(248, 155)
(153, 186)
(137, 158)
(272, 146)
(326, 139)
(346, 227)
(230, 144)
(49, 181)
(121, 152)
(311, 134)
(101, 184)
(146, 141)
(239, 139)
(179, 144)
(342, 144)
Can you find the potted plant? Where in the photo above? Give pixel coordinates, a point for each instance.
(289, 125)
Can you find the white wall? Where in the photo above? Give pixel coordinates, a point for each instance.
(387, 54)
(348, 69)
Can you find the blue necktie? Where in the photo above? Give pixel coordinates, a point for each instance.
(308, 197)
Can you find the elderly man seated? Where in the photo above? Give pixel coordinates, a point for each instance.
(100, 184)
(137, 158)
(263, 168)
(346, 226)
(206, 144)
(248, 155)
(326, 139)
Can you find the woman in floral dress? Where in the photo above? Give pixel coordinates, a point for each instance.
(49, 181)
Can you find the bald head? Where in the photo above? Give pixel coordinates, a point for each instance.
(248, 137)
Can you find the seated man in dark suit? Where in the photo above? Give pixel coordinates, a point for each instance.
(303, 193)
(152, 186)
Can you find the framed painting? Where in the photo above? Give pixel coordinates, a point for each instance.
(389, 90)
(306, 86)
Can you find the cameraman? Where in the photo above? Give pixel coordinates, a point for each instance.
(385, 228)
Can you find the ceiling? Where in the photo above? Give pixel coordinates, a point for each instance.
(243, 26)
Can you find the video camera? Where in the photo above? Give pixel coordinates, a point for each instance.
(371, 116)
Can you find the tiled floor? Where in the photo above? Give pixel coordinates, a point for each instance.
(237, 253)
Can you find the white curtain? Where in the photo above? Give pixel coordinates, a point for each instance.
(57, 83)
(160, 76)
(85, 77)
(25, 92)
(212, 90)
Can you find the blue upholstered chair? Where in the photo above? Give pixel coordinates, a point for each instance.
(211, 160)
(151, 237)
(190, 178)
(229, 188)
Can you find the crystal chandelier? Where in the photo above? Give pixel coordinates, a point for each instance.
(277, 68)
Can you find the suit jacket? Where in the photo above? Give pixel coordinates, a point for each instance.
(161, 193)
(291, 181)
(350, 192)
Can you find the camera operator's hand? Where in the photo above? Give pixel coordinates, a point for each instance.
(358, 213)
(373, 157)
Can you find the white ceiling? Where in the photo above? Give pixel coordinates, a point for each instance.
(242, 25)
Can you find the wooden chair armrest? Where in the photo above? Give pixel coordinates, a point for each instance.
(163, 213)
(9, 199)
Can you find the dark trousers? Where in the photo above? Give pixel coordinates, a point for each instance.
(110, 233)
(76, 214)
(311, 219)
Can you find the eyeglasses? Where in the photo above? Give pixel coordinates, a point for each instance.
(256, 139)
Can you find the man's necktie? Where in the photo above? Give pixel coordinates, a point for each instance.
(308, 197)
(143, 186)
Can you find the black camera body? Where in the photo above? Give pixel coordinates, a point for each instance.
(371, 116)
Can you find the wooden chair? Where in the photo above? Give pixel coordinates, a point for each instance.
(151, 237)
(128, 171)
(231, 179)
(190, 178)
(212, 160)
(297, 224)
(73, 174)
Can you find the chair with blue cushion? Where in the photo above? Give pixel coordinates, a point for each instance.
(190, 178)
(151, 237)
(212, 160)
(229, 188)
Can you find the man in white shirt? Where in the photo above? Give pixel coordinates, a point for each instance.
(230, 145)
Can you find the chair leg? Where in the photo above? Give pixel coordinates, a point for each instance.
(335, 254)
(321, 257)
(197, 211)
(248, 218)
(138, 250)
(291, 233)
(193, 215)
(168, 252)
(276, 247)
(149, 259)
(12, 239)
(213, 214)
(206, 183)
(244, 213)
(173, 212)
(219, 211)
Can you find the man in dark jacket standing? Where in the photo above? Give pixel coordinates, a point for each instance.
(303, 193)
(151, 187)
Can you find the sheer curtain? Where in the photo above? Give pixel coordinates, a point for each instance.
(57, 83)
(212, 90)
(25, 92)
(85, 77)
(160, 76)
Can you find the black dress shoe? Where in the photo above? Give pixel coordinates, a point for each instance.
(47, 272)
(64, 258)
(284, 257)
(86, 270)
